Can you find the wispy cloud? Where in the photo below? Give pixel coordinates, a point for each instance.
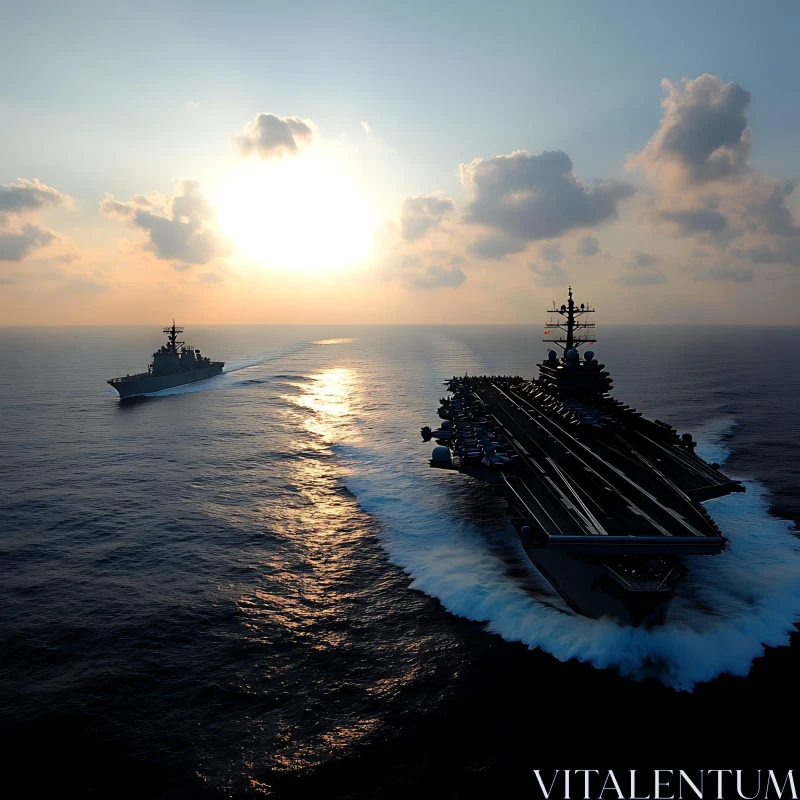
(376, 140)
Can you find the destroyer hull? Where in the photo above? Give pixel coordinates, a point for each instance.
(147, 384)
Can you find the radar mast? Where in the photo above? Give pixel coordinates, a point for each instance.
(578, 331)
(172, 337)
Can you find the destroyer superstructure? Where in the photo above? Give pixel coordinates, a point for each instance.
(174, 364)
(605, 502)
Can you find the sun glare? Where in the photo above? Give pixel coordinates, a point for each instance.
(304, 213)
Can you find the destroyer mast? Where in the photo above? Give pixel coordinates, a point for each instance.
(172, 337)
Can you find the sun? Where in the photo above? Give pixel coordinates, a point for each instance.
(303, 213)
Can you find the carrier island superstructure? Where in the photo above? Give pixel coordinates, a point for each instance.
(174, 364)
(605, 502)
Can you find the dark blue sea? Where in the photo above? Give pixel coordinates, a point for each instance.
(255, 586)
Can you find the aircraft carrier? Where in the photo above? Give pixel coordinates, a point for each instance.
(606, 503)
(173, 364)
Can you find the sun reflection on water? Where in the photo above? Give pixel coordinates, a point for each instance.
(335, 341)
(333, 397)
(308, 601)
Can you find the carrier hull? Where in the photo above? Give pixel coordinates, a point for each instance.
(588, 591)
(605, 502)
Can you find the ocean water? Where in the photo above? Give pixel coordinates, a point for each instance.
(255, 585)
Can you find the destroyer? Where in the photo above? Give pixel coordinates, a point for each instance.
(174, 364)
(605, 502)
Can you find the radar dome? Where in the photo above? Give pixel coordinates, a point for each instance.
(588, 355)
(552, 355)
(572, 355)
(440, 453)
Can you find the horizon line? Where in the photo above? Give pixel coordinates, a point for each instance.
(398, 324)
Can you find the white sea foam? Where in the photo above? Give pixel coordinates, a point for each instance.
(729, 608)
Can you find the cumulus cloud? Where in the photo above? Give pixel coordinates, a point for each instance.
(641, 278)
(637, 259)
(756, 207)
(421, 213)
(690, 222)
(639, 270)
(65, 258)
(703, 135)
(786, 252)
(437, 278)
(22, 196)
(705, 186)
(588, 246)
(551, 275)
(702, 188)
(496, 246)
(14, 246)
(181, 226)
(19, 199)
(271, 136)
(414, 252)
(766, 201)
(726, 273)
(533, 197)
(551, 252)
(428, 270)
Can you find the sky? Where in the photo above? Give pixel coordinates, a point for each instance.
(398, 162)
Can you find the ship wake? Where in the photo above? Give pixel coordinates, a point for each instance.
(257, 359)
(230, 377)
(730, 607)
